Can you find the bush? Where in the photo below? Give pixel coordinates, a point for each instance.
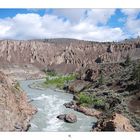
(84, 99)
(98, 103)
(51, 72)
(59, 81)
(101, 78)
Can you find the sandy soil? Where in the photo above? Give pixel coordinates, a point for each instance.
(22, 72)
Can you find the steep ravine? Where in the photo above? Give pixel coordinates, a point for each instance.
(15, 111)
(28, 57)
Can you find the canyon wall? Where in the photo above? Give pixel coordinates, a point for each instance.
(15, 111)
(66, 54)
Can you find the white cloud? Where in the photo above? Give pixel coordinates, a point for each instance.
(132, 22)
(72, 14)
(133, 25)
(131, 12)
(96, 16)
(93, 32)
(32, 26)
(91, 15)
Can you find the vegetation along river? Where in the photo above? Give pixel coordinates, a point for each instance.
(49, 104)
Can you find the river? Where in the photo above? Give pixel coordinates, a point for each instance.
(50, 104)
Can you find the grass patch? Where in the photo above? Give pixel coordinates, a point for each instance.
(84, 99)
(89, 100)
(59, 81)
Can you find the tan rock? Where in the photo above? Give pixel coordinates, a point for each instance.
(62, 52)
(89, 111)
(122, 124)
(15, 111)
(117, 123)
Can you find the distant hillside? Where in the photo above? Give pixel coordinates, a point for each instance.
(62, 53)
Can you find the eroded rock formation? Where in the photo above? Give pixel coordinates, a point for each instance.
(117, 123)
(15, 111)
(66, 55)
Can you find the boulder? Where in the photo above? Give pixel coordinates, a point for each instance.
(78, 86)
(71, 105)
(71, 118)
(117, 123)
(89, 111)
(61, 117)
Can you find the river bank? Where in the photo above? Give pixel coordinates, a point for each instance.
(103, 98)
(115, 92)
(50, 104)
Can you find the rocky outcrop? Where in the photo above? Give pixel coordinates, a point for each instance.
(87, 111)
(71, 105)
(117, 123)
(77, 86)
(15, 111)
(70, 118)
(66, 55)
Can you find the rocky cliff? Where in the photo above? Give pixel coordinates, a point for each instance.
(15, 111)
(66, 54)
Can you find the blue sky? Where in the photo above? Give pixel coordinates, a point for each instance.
(87, 24)
(4, 13)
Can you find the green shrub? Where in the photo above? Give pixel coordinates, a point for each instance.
(88, 100)
(98, 102)
(51, 73)
(84, 99)
(59, 81)
(101, 78)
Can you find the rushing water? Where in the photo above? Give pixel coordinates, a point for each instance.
(50, 104)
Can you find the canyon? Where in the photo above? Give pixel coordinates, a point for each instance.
(28, 59)
(66, 55)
